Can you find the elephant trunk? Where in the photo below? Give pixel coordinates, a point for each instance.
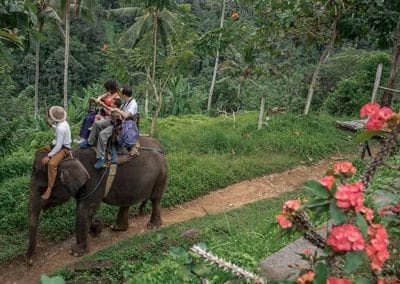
(35, 206)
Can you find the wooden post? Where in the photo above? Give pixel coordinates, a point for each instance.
(261, 115)
(377, 82)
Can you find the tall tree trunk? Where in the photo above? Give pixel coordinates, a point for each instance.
(324, 56)
(66, 53)
(37, 63)
(261, 114)
(155, 26)
(387, 95)
(146, 104)
(153, 76)
(155, 116)
(214, 77)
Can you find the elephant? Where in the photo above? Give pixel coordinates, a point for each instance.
(140, 179)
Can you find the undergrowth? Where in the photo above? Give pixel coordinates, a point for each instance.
(203, 154)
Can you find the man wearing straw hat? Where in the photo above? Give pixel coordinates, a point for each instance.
(61, 148)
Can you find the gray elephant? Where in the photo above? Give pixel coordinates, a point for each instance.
(143, 177)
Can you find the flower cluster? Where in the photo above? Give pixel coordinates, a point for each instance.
(344, 238)
(390, 208)
(306, 278)
(344, 168)
(350, 195)
(327, 181)
(285, 217)
(377, 115)
(332, 280)
(377, 248)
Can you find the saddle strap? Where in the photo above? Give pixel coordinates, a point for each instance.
(110, 178)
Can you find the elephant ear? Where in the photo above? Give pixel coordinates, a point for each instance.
(73, 175)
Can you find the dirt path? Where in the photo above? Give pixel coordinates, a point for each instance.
(51, 257)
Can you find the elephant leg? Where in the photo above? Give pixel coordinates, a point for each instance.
(121, 224)
(82, 224)
(96, 227)
(155, 219)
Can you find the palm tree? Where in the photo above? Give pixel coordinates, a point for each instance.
(64, 7)
(44, 10)
(214, 77)
(154, 17)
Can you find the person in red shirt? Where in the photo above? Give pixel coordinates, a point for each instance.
(106, 100)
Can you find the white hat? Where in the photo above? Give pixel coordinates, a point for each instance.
(57, 113)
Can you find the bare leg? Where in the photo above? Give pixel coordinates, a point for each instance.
(121, 224)
(47, 193)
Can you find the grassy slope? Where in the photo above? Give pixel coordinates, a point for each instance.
(243, 236)
(203, 154)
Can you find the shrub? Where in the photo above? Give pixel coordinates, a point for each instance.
(352, 92)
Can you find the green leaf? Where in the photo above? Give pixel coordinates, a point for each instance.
(362, 225)
(362, 281)
(316, 203)
(321, 273)
(185, 272)
(337, 214)
(201, 269)
(366, 135)
(51, 280)
(316, 189)
(353, 261)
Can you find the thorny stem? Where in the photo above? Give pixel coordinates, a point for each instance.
(387, 148)
(226, 265)
(303, 222)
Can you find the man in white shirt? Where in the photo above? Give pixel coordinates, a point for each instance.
(61, 148)
(128, 109)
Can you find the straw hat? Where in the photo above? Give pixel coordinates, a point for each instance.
(57, 113)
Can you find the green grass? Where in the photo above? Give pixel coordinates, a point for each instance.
(243, 236)
(203, 154)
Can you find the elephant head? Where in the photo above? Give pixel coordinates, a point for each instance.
(71, 176)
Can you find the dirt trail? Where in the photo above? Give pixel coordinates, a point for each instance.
(51, 257)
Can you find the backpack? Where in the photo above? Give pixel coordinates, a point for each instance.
(129, 133)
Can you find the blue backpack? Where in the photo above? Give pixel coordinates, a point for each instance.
(129, 133)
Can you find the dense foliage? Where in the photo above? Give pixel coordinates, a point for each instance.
(263, 54)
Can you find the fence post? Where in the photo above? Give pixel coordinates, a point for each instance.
(377, 82)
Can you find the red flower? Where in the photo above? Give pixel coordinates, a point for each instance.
(369, 109)
(332, 280)
(375, 122)
(368, 213)
(327, 181)
(377, 247)
(105, 47)
(291, 205)
(344, 167)
(385, 113)
(283, 221)
(377, 115)
(306, 278)
(345, 238)
(350, 195)
(307, 251)
(235, 16)
(390, 208)
(284, 218)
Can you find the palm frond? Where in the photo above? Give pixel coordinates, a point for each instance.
(163, 34)
(130, 37)
(51, 14)
(123, 12)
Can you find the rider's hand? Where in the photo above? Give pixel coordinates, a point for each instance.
(45, 160)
